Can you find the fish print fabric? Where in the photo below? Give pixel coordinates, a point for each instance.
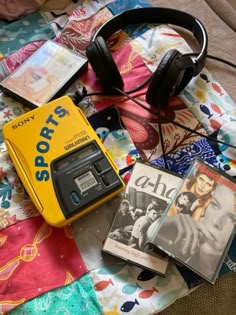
(127, 289)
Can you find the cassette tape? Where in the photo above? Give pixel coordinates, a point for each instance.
(45, 75)
(61, 161)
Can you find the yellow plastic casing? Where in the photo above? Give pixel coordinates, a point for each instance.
(35, 139)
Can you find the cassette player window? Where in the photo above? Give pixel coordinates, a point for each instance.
(86, 181)
(80, 154)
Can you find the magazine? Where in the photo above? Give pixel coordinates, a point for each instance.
(147, 194)
(199, 224)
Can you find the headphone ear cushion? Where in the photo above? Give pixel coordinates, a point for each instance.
(103, 64)
(164, 79)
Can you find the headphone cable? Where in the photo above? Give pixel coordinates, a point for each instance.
(166, 119)
(80, 95)
(163, 118)
(138, 87)
(231, 64)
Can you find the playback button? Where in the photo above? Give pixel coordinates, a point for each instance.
(98, 167)
(105, 180)
(75, 197)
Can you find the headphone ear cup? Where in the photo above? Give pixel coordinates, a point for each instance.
(165, 79)
(103, 64)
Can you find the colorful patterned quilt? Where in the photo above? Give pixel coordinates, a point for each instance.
(44, 270)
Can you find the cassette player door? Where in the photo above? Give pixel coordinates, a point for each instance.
(83, 179)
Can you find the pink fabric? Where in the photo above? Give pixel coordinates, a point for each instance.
(12, 62)
(130, 65)
(141, 124)
(35, 258)
(77, 35)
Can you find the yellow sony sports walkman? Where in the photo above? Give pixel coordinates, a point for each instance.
(61, 162)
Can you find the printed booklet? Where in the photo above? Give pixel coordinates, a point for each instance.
(147, 194)
(199, 224)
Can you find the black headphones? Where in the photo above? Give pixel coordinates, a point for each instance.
(175, 69)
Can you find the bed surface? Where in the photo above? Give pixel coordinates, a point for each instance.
(46, 263)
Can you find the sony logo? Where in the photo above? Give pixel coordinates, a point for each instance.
(23, 122)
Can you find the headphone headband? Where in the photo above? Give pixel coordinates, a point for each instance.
(159, 15)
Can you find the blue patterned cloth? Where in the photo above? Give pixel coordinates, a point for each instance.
(33, 27)
(118, 6)
(180, 160)
(133, 30)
